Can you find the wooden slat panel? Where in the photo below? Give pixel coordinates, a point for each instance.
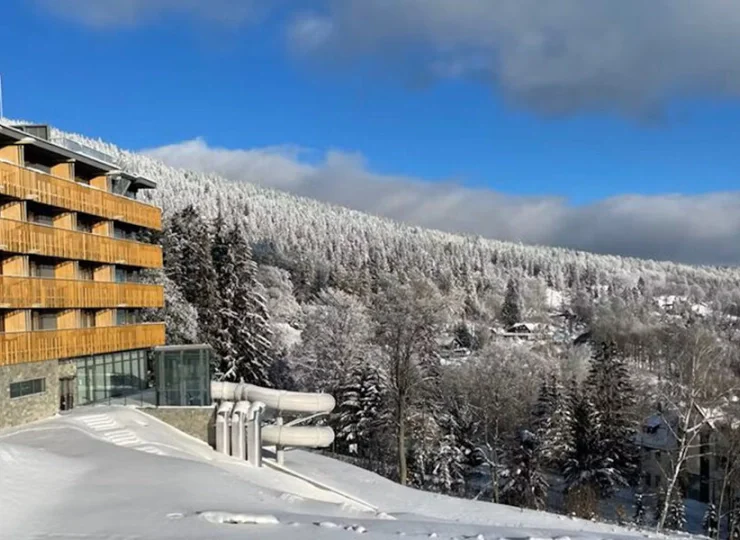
(22, 347)
(31, 238)
(27, 292)
(26, 184)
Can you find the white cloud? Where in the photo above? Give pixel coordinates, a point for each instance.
(126, 13)
(551, 56)
(554, 56)
(695, 229)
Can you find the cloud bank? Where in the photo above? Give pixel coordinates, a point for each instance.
(694, 229)
(553, 57)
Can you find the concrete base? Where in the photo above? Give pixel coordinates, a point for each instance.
(198, 422)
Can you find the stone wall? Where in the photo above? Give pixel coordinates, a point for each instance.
(18, 411)
(198, 422)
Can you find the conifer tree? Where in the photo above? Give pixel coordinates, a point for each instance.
(242, 339)
(710, 521)
(511, 311)
(525, 486)
(613, 396)
(676, 517)
(587, 464)
(639, 517)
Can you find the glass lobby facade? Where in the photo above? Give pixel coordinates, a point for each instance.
(104, 377)
(182, 375)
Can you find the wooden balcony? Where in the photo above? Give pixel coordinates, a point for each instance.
(22, 347)
(28, 292)
(31, 238)
(26, 184)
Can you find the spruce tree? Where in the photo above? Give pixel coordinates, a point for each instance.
(587, 464)
(242, 337)
(676, 518)
(613, 396)
(639, 517)
(552, 423)
(511, 311)
(710, 521)
(525, 486)
(186, 246)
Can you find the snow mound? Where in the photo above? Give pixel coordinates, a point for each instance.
(239, 519)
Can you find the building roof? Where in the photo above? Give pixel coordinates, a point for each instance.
(72, 151)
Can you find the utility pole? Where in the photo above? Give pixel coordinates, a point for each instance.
(1, 97)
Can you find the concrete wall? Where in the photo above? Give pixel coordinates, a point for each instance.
(14, 412)
(198, 422)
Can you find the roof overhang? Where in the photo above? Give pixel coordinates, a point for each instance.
(21, 137)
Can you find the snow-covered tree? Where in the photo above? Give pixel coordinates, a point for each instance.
(588, 465)
(611, 391)
(676, 515)
(360, 411)
(525, 484)
(511, 311)
(408, 318)
(242, 337)
(552, 423)
(710, 521)
(640, 514)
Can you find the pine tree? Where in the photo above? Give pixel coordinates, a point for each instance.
(525, 486)
(710, 521)
(639, 517)
(587, 464)
(511, 311)
(613, 396)
(186, 246)
(676, 518)
(552, 422)
(242, 339)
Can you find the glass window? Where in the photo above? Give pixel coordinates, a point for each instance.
(44, 320)
(27, 388)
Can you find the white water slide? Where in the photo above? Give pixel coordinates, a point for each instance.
(241, 411)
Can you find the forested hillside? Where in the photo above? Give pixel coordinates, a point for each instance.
(452, 358)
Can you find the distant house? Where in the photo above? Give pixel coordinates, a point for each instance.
(522, 328)
(704, 469)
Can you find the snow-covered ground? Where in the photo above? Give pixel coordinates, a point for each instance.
(112, 473)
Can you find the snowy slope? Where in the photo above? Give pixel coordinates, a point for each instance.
(108, 473)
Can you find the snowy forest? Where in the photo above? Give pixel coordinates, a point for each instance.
(524, 375)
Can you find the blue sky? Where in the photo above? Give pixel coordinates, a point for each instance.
(145, 75)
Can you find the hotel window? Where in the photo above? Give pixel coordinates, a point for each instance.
(85, 271)
(44, 320)
(27, 388)
(87, 318)
(41, 268)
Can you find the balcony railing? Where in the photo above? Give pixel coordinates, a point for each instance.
(22, 347)
(28, 292)
(32, 238)
(21, 183)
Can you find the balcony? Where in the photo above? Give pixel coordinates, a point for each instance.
(26, 184)
(31, 238)
(22, 347)
(28, 292)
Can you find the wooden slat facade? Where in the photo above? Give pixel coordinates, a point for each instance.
(38, 346)
(27, 293)
(26, 184)
(30, 238)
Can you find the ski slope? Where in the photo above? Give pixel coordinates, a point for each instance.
(114, 473)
